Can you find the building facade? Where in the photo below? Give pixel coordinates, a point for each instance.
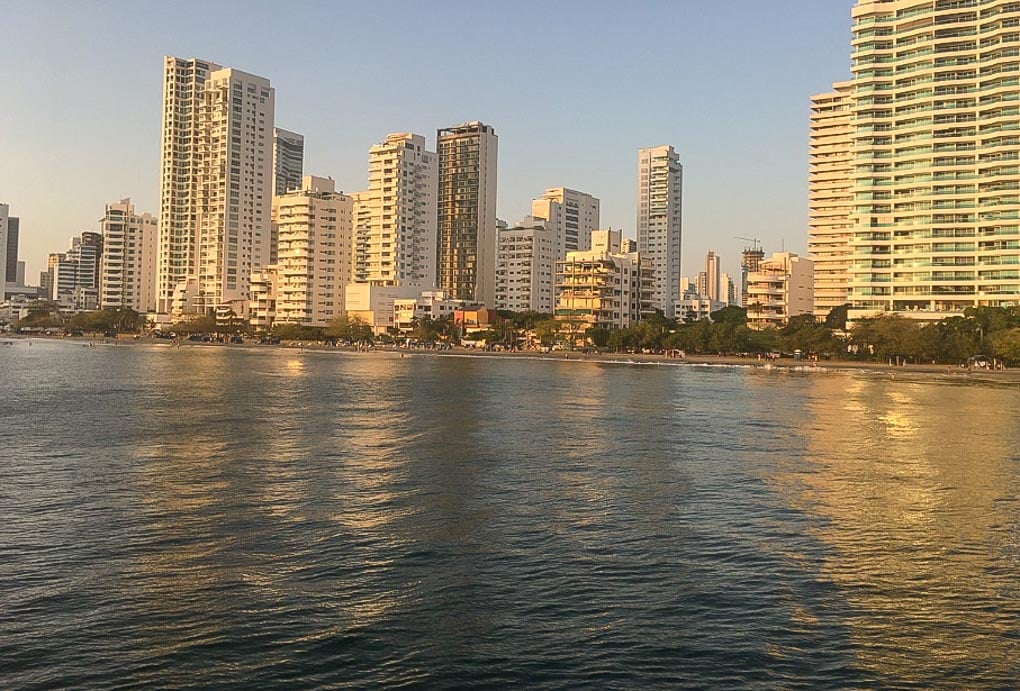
(695, 308)
(935, 221)
(71, 278)
(374, 304)
(5, 223)
(659, 217)
(10, 232)
(830, 196)
(288, 160)
(603, 287)
(235, 188)
(395, 219)
(466, 265)
(782, 287)
(314, 227)
(216, 192)
(180, 161)
(713, 282)
(431, 304)
(128, 265)
(525, 267)
(570, 215)
(750, 259)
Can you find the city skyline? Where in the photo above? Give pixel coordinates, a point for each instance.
(579, 129)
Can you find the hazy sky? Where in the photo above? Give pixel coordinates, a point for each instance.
(572, 88)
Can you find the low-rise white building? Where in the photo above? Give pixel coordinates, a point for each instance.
(373, 304)
(782, 287)
(431, 304)
(695, 308)
(262, 306)
(525, 266)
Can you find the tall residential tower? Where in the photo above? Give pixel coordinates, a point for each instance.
(660, 185)
(217, 186)
(395, 219)
(183, 82)
(935, 217)
(466, 266)
(830, 196)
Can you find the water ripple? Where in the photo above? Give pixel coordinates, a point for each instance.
(226, 517)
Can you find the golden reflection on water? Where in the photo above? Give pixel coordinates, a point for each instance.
(912, 480)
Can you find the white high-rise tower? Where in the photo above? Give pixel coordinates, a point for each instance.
(183, 82)
(395, 219)
(660, 199)
(217, 186)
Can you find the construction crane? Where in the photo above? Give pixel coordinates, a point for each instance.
(755, 241)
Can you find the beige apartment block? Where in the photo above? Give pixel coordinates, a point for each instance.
(262, 304)
(603, 287)
(782, 287)
(570, 215)
(235, 187)
(395, 219)
(525, 267)
(936, 216)
(713, 279)
(314, 227)
(831, 196)
(660, 204)
(466, 265)
(127, 274)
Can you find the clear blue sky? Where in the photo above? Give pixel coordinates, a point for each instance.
(573, 89)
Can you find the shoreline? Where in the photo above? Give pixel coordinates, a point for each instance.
(948, 373)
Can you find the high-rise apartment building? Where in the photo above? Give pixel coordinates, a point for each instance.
(10, 226)
(659, 203)
(217, 186)
(235, 187)
(713, 283)
(306, 285)
(936, 214)
(5, 222)
(570, 215)
(288, 160)
(830, 196)
(127, 276)
(466, 267)
(183, 83)
(525, 267)
(395, 219)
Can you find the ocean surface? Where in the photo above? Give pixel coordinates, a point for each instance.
(213, 517)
